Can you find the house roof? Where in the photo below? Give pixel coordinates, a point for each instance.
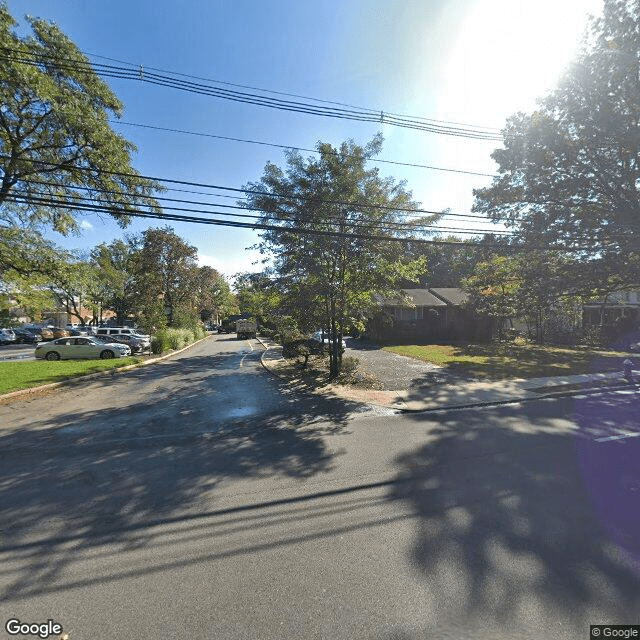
(418, 298)
(439, 297)
(451, 295)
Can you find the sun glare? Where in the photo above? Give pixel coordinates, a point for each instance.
(508, 54)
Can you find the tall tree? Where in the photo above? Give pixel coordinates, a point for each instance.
(166, 273)
(569, 174)
(72, 286)
(532, 286)
(213, 294)
(56, 144)
(115, 264)
(332, 247)
(449, 264)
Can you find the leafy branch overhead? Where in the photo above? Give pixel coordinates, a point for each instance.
(569, 173)
(56, 145)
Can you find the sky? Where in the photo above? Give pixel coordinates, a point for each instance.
(474, 62)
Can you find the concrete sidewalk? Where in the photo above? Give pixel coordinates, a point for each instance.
(464, 394)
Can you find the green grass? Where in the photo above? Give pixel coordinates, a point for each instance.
(506, 360)
(24, 375)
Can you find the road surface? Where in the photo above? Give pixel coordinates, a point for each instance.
(306, 518)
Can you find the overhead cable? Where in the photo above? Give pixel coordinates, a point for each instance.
(236, 224)
(363, 205)
(310, 108)
(264, 215)
(408, 213)
(290, 230)
(376, 111)
(287, 147)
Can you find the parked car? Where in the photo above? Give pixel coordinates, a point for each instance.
(323, 338)
(135, 342)
(77, 332)
(7, 336)
(115, 331)
(27, 336)
(83, 347)
(58, 332)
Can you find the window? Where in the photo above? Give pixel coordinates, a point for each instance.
(408, 314)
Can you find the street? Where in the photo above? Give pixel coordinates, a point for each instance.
(200, 498)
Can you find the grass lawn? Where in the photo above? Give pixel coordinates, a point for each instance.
(24, 375)
(498, 361)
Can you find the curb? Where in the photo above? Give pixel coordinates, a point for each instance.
(551, 394)
(90, 376)
(516, 400)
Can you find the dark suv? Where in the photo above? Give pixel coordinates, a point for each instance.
(27, 336)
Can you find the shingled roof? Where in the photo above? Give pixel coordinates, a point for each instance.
(451, 295)
(418, 297)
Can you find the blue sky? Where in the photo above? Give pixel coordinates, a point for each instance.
(467, 61)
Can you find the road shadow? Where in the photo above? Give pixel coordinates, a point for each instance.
(98, 473)
(526, 517)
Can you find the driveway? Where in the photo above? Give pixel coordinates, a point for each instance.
(395, 372)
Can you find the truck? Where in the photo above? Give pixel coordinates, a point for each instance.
(246, 328)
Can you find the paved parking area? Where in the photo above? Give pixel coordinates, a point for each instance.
(394, 371)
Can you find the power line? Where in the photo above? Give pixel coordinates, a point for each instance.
(290, 230)
(406, 212)
(268, 194)
(241, 225)
(390, 225)
(319, 109)
(291, 95)
(286, 147)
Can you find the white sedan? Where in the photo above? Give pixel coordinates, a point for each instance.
(69, 348)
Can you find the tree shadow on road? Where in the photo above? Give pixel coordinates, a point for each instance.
(527, 519)
(97, 473)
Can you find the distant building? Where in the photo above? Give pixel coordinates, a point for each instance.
(616, 307)
(428, 315)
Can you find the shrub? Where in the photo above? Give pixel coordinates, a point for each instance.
(175, 339)
(350, 365)
(160, 342)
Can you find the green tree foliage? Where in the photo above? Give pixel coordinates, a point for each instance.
(166, 274)
(327, 279)
(494, 287)
(72, 286)
(55, 140)
(213, 295)
(258, 296)
(568, 174)
(449, 264)
(115, 264)
(27, 262)
(532, 286)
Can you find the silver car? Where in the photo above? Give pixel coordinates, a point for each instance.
(7, 336)
(84, 347)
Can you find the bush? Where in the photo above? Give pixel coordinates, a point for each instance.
(175, 339)
(349, 365)
(160, 342)
(167, 339)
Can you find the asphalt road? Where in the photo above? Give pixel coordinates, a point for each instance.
(306, 518)
(17, 351)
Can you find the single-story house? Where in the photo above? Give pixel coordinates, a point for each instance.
(609, 311)
(427, 315)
